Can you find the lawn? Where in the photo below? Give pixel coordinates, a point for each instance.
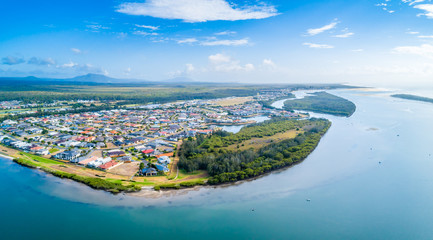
(41, 159)
(53, 150)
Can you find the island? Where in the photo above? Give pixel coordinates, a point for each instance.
(413, 97)
(322, 102)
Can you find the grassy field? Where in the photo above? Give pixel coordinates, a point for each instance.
(53, 150)
(257, 143)
(232, 101)
(41, 159)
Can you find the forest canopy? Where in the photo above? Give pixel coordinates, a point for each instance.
(210, 153)
(322, 102)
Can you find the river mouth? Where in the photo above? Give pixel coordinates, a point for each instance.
(369, 177)
(77, 192)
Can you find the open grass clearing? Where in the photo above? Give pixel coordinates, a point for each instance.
(232, 101)
(257, 143)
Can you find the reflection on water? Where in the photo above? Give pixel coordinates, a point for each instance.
(237, 128)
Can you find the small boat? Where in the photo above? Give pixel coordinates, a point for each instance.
(308, 200)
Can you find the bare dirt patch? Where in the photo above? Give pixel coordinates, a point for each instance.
(126, 169)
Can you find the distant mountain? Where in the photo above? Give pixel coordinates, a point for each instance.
(94, 78)
(91, 78)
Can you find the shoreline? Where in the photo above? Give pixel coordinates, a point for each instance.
(150, 191)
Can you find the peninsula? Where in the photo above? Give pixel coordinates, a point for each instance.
(125, 146)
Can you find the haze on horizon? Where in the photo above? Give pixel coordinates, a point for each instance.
(377, 43)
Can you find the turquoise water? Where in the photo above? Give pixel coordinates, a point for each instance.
(353, 196)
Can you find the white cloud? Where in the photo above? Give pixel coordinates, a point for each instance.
(224, 63)
(189, 68)
(69, 65)
(219, 58)
(153, 28)
(238, 42)
(344, 35)
(412, 2)
(428, 8)
(412, 33)
(82, 68)
(425, 36)
(358, 50)
(315, 45)
(142, 33)
(268, 64)
(197, 10)
(187, 40)
(96, 27)
(76, 50)
(225, 33)
(425, 50)
(315, 31)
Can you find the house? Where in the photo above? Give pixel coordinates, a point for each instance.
(148, 152)
(125, 159)
(68, 155)
(85, 160)
(162, 168)
(109, 165)
(98, 162)
(116, 153)
(164, 160)
(42, 151)
(100, 145)
(34, 130)
(149, 172)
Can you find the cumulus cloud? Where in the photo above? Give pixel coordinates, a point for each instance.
(224, 63)
(238, 42)
(428, 10)
(315, 45)
(10, 60)
(425, 50)
(315, 31)
(41, 61)
(268, 64)
(197, 10)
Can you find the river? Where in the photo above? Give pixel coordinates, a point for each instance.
(369, 178)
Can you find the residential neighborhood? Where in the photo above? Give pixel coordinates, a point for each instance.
(139, 140)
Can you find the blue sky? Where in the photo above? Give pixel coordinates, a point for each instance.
(253, 41)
